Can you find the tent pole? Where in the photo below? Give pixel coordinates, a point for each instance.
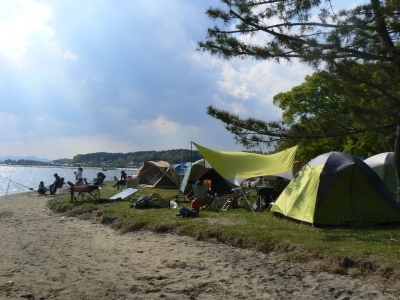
(191, 152)
(248, 202)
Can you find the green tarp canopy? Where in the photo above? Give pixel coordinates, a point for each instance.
(238, 166)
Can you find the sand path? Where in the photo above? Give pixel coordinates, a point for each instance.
(45, 255)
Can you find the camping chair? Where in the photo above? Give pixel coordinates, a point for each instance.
(243, 196)
(266, 194)
(132, 183)
(99, 180)
(89, 191)
(232, 198)
(201, 193)
(59, 187)
(92, 192)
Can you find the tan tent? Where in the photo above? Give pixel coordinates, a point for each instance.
(158, 174)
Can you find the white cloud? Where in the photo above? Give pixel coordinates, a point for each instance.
(161, 124)
(231, 106)
(22, 26)
(247, 88)
(84, 86)
(69, 55)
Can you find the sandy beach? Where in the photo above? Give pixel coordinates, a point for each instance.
(46, 255)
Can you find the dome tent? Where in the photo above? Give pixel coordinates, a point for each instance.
(158, 174)
(382, 164)
(201, 170)
(337, 188)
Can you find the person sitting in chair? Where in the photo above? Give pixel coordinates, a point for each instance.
(79, 187)
(210, 192)
(55, 184)
(279, 186)
(99, 179)
(197, 203)
(122, 181)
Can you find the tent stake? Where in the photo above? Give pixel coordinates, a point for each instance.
(301, 225)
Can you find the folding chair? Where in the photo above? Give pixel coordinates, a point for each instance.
(92, 192)
(59, 187)
(200, 191)
(132, 183)
(266, 194)
(89, 191)
(229, 201)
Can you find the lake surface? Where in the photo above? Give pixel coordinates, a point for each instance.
(18, 179)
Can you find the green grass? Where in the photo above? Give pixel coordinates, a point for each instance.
(354, 251)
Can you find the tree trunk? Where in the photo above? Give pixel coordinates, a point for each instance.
(396, 159)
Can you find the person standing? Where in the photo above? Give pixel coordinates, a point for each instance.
(78, 175)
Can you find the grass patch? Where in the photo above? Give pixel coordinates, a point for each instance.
(354, 251)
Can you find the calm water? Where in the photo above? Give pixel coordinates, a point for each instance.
(16, 179)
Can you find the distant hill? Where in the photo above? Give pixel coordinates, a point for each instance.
(3, 158)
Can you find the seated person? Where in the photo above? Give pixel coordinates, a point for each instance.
(198, 204)
(42, 189)
(204, 182)
(99, 179)
(279, 186)
(55, 184)
(122, 181)
(79, 187)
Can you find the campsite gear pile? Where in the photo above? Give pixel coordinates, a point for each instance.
(154, 200)
(187, 213)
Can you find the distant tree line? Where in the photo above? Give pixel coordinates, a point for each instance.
(118, 160)
(25, 162)
(135, 159)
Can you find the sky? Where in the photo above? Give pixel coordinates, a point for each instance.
(121, 76)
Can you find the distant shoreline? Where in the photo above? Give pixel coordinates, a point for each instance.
(67, 167)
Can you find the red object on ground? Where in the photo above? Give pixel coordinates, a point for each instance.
(195, 204)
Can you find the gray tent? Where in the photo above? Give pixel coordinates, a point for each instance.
(382, 164)
(193, 172)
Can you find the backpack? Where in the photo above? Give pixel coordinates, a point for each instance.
(142, 202)
(187, 213)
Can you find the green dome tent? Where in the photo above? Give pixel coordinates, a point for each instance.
(383, 165)
(337, 188)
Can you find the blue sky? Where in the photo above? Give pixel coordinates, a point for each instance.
(79, 77)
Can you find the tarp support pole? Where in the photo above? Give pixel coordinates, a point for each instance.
(248, 202)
